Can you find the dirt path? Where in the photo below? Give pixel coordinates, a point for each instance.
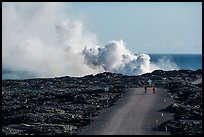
(136, 113)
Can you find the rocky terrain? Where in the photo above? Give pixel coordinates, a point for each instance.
(187, 109)
(60, 106)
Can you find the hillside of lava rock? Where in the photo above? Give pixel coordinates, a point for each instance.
(63, 105)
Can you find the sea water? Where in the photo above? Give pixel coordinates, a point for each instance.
(183, 61)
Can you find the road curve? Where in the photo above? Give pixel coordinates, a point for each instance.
(136, 113)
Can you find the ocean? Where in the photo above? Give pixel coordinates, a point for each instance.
(183, 61)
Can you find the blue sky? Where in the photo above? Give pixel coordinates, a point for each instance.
(156, 27)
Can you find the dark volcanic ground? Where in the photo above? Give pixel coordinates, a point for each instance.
(63, 105)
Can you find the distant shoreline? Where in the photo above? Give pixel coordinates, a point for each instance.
(32, 77)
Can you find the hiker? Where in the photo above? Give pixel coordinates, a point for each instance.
(154, 89)
(150, 82)
(145, 89)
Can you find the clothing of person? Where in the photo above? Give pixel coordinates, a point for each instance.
(145, 89)
(154, 89)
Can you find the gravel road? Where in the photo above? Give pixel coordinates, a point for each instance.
(136, 113)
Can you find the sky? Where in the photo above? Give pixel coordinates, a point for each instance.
(145, 27)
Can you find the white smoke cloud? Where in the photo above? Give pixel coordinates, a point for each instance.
(114, 57)
(41, 39)
(165, 63)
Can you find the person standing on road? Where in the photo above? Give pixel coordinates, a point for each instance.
(145, 89)
(154, 89)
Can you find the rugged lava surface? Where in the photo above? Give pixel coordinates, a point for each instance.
(55, 106)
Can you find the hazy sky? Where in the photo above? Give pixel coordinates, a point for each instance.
(147, 27)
